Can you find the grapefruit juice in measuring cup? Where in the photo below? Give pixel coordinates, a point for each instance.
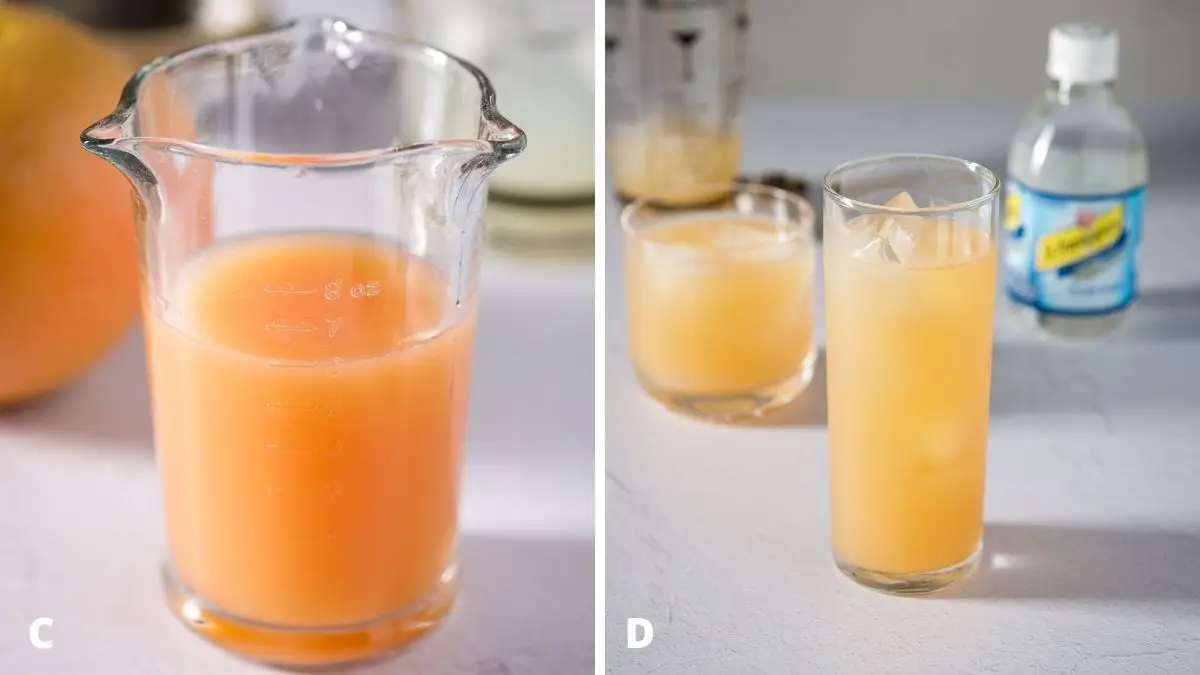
(309, 386)
(310, 397)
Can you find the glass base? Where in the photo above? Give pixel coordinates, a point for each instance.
(917, 583)
(311, 649)
(1067, 327)
(734, 406)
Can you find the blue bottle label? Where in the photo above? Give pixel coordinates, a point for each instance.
(1071, 254)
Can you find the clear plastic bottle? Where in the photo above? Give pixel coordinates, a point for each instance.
(1077, 171)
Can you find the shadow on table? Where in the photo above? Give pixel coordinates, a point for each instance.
(1172, 151)
(1062, 562)
(1105, 376)
(533, 370)
(1170, 314)
(810, 409)
(529, 604)
(109, 403)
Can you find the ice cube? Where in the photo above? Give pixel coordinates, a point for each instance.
(664, 254)
(902, 233)
(860, 236)
(902, 200)
(886, 237)
(960, 240)
(733, 234)
(868, 246)
(901, 236)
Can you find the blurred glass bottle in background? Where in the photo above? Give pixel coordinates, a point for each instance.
(675, 90)
(541, 55)
(1077, 177)
(148, 29)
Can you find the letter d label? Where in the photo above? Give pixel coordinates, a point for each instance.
(646, 630)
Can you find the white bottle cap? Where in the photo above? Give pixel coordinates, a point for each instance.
(1082, 53)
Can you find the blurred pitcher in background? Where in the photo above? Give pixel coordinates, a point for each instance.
(676, 74)
(541, 56)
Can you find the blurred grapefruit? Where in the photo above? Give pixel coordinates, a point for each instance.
(68, 260)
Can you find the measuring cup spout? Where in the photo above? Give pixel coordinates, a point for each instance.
(507, 141)
(106, 139)
(150, 137)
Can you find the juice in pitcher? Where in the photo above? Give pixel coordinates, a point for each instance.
(310, 396)
(309, 387)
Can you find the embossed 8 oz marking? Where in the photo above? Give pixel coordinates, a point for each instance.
(332, 292)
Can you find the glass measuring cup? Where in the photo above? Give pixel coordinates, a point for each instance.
(675, 78)
(310, 205)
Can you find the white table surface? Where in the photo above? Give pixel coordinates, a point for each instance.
(81, 529)
(719, 535)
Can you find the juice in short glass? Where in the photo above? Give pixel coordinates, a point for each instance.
(721, 301)
(910, 283)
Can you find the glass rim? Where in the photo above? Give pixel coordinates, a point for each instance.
(989, 176)
(796, 229)
(497, 137)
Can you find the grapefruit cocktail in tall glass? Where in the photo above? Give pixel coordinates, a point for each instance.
(910, 282)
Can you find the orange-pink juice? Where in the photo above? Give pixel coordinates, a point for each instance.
(719, 303)
(310, 396)
(908, 348)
